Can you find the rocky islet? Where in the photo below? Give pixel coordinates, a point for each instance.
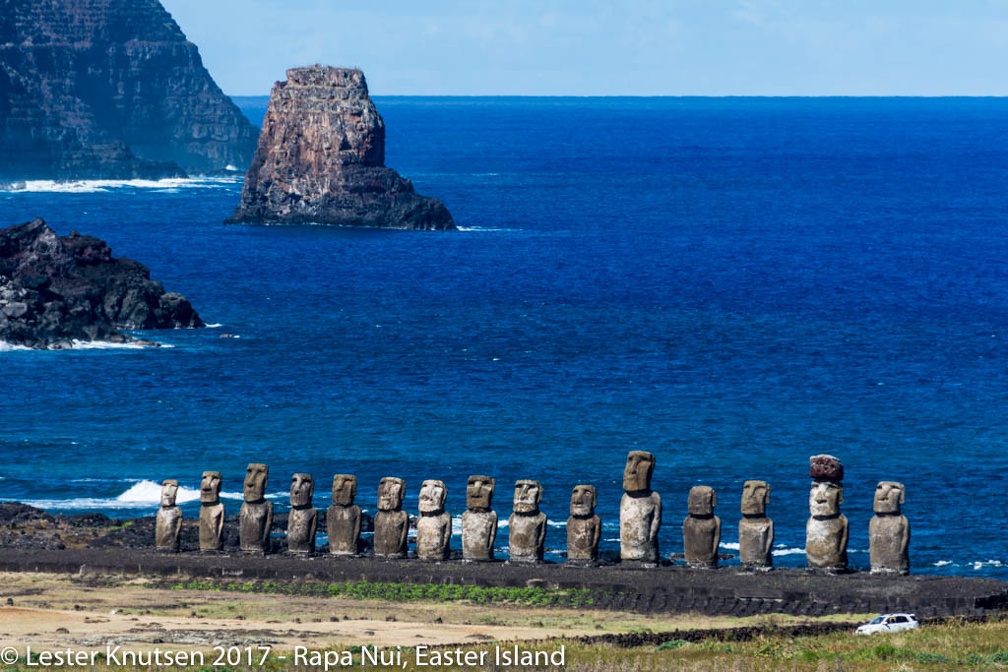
(321, 159)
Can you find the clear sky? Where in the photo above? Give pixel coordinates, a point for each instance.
(619, 47)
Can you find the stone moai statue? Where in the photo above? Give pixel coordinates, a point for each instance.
(434, 525)
(479, 522)
(584, 528)
(889, 531)
(256, 515)
(640, 510)
(302, 521)
(527, 524)
(755, 530)
(168, 522)
(826, 532)
(343, 518)
(701, 529)
(211, 517)
(391, 523)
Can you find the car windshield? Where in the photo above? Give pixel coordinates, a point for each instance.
(876, 620)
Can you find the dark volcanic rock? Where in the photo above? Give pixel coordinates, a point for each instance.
(321, 159)
(55, 290)
(109, 89)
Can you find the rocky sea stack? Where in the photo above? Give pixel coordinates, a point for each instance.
(109, 89)
(321, 159)
(55, 290)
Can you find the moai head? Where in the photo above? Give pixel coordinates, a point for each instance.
(210, 485)
(755, 498)
(390, 493)
(302, 489)
(637, 473)
(344, 489)
(889, 497)
(825, 499)
(583, 501)
(169, 491)
(702, 500)
(255, 482)
(480, 492)
(527, 496)
(432, 496)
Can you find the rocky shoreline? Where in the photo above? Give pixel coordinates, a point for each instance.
(35, 541)
(56, 291)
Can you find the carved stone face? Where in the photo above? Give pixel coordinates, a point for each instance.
(302, 490)
(637, 473)
(583, 500)
(432, 496)
(210, 487)
(702, 500)
(825, 499)
(169, 490)
(255, 482)
(755, 498)
(527, 496)
(390, 493)
(480, 492)
(344, 489)
(889, 497)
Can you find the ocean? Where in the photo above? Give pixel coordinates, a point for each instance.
(734, 284)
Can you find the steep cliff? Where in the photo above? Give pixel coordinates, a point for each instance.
(321, 158)
(109, 88)
(55, 290)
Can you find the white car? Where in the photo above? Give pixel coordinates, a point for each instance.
(889, 623)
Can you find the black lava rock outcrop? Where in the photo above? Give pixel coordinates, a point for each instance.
(321, 159)
(55, 290)
(109, 89)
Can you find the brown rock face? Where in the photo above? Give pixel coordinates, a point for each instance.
(321, 159)
(109, 89)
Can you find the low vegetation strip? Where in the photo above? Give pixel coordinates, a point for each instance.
(405, 592)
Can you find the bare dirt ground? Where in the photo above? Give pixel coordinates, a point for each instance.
(57, 611)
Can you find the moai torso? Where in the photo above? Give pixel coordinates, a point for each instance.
(302, 521)
(434, 524)
(889, 531)
(701, 529)
(479, 522)
(391, 524)
(211, 517)
(255, 519)
(343, 518)
(826, 532)
(756, 531)
(584, 528)
(640, 510)
(527, 525)
(168, 522)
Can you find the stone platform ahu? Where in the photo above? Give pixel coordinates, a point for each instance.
(321, 159)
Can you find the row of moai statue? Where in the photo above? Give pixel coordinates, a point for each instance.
(640, 520)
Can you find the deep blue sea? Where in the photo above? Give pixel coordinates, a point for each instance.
(734, 284)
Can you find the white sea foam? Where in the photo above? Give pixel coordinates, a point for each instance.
(104, 186)
(783, 550)
(987, 564)
(730, 545)
(149, 492)
(943, 563)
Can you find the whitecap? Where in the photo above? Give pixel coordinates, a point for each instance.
(730, 545)
(104, 186)
(149, 492)
(943, 563)
(987, 564)
(788, 551)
